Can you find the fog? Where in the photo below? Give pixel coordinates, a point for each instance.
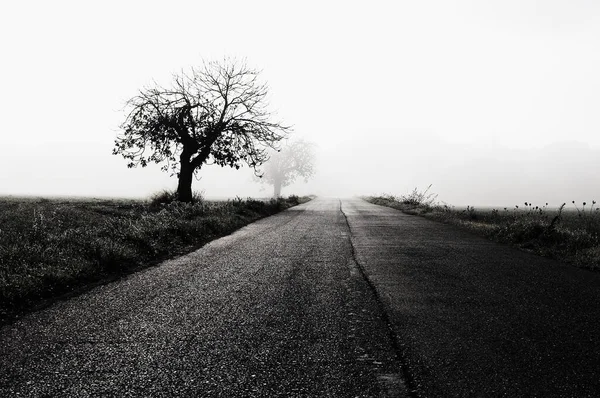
(490, 102)
(470, 174)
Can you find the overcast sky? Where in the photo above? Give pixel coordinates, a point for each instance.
(492, 102)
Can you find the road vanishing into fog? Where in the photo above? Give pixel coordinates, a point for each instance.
(330, 298)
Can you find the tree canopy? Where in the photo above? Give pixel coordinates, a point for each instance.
(214, 114)
(294, 160)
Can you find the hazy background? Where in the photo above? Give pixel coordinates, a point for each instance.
(492, 102)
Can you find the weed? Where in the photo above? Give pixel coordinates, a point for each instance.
(419, 198)
(471, 214)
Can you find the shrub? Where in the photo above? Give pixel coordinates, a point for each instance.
(165, 197)
(162, 198)
(294, 200)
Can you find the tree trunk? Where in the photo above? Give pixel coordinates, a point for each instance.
(277, 189)
(184, 187)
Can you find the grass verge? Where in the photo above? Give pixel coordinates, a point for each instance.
(569, 235)
(50, 248)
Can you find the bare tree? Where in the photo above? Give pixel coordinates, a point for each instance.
(297, 159)
(215, 114)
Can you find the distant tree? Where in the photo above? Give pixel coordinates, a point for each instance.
(215, 114)
(297, 159)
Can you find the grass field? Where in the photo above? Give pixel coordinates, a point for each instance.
(51, 247)
(570, 233)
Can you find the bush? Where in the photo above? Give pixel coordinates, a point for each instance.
(294, 200)
(165, 197)
(162, 198)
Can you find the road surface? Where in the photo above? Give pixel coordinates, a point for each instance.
(330, 298)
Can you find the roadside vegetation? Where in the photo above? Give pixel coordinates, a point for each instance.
(52, 247)
(569, 233)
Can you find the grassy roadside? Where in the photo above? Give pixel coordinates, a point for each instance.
(571, 235)
(49, 248)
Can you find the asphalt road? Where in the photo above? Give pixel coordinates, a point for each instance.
(330, 298)
(478, 319)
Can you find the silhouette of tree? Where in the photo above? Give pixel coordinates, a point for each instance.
(294, 160)
(215, 114)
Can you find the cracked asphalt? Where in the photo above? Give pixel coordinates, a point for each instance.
(329, 298)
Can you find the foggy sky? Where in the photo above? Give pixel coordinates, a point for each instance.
(492, 102)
